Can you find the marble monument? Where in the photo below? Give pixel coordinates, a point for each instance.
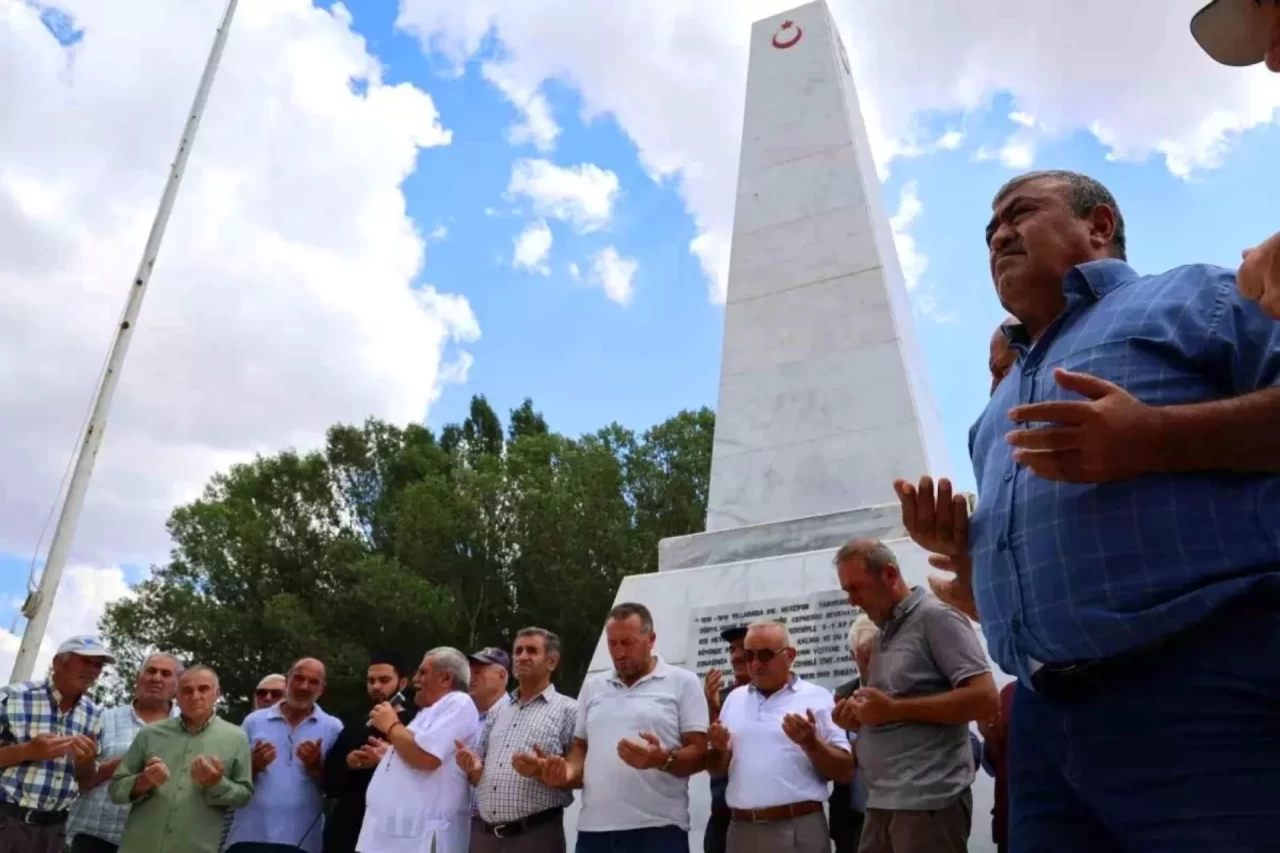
(824, 397)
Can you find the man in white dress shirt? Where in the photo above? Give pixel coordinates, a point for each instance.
(419, 801)
(776, 741)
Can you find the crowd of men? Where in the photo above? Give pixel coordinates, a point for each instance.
(1123, 559)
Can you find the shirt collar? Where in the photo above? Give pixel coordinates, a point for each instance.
(274, 713)
(660, 670)
(183, 723)
(501, 702)
(56, 697)
(906, 605)
(1089, 282)
(790, 685)
(546, 695)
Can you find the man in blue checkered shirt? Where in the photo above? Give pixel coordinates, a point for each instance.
(96, 824)
(1125, 547)
(49, 731)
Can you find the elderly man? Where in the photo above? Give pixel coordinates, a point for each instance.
(648, 721)
(518, 812)
(776, 742)
(49, 732)
(181, 775)
(926, 681)
(269, 692)
(717, 831)
(289, 741)
(96, 824)
(349, 765)
(1104, 581)
(419, 799)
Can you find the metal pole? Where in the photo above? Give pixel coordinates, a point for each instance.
(40, 603)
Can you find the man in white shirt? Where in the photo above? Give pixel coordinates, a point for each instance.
(648, 724)
(776, 741)
(419, 801)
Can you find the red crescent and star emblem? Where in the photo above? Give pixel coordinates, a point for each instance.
(787, 35)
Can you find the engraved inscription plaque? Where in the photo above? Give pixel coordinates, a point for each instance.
(819, 625)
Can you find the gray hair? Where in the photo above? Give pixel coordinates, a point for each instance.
(453, 662)
(199, 668)
(550, 641)
(177, 664)
(873, 553)
(275, 676)
(628, 609)
(773, 623)
(862, 633)
(1083, 195)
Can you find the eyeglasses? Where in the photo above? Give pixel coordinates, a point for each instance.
(269, 694)
(762, 655)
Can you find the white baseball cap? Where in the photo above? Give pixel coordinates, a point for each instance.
(1234, 32)
(86, 646)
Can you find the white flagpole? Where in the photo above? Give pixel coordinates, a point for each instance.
(40, 603)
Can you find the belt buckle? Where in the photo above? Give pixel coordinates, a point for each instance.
(497, 830)
(27, 815)
(755, 819)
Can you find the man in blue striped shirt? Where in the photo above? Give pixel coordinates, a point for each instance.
(1126, 541)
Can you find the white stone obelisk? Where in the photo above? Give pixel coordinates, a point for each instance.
(823, 394)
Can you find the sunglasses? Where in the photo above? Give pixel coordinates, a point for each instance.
(762, 655)
(269, 694)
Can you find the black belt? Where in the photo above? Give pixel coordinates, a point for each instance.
(34, 817)
(1064, 682)
(523, 825)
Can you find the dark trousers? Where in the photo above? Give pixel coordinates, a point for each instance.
(92, 844)
(1181, 755)
(19, 837)
(715, 838)
(653, 839)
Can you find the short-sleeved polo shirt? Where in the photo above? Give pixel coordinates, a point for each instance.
(668, 702)
(767, 768)
(927, 648)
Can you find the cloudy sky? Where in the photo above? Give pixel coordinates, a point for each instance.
(392, 207)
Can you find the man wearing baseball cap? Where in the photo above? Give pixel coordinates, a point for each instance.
(1239, 33)
(49, 732)
(715, 838)
(490, 673)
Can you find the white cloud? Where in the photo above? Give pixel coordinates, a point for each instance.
(581, 195)
(1017, 154)
(672, 74)
(440, 232)
(574, 272)
(83, 596)
(283, 299)
(913, 261)
(615, 274)
(533, 248)
(951, 140)
(537, 126)
(1024, 119)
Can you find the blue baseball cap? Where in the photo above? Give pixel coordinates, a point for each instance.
(492, 654)
(86, 646)
(1234, 32)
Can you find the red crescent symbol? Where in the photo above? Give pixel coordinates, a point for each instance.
(783, 45)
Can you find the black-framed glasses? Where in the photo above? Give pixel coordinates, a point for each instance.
(274, 695)
(762, 655)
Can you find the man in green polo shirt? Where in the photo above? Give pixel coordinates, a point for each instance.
(182, 775)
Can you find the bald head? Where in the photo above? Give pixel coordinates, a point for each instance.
(305, 684)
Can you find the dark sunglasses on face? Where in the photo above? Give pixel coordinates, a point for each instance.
(269, 694)
(762, 655)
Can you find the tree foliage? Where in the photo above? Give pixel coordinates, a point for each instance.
(394, 539)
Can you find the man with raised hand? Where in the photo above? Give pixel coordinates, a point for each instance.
(181, 775)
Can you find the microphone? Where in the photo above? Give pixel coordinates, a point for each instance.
(397, 701)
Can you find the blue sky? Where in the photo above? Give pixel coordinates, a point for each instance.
(586, 360)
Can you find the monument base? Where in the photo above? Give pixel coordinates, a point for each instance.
(780, 570)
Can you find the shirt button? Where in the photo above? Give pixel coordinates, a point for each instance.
(1008, 477)
(1030, 371)
(1001, 544)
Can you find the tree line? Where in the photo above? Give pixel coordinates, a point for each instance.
(395, 539)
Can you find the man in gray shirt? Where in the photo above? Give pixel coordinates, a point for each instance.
(927, 680)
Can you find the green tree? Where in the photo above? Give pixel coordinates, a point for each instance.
(390, 539)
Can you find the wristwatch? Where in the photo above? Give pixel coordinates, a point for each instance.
(669, 763)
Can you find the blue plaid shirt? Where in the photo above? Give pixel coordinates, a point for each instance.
(31, 709)
(1069, 572)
